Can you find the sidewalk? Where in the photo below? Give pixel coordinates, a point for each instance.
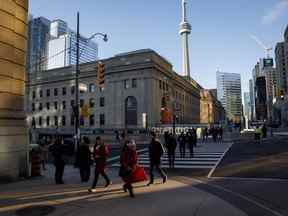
(72, 198)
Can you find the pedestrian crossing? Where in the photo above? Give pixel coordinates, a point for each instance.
(203, 158)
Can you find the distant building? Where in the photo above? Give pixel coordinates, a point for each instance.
(247, 108)
(229, 94)
(261, 98)
(211, 110)
(38, 36)
(138, 85)
(62, 47)
(252, 100)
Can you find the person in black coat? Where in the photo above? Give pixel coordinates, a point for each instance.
(171, 147)
(58, 161)
(182, 143)
(83, 160)
(155, 152)
(190, 141)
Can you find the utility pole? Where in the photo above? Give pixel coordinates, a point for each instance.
(76, 108)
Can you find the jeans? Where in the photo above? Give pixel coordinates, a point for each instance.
(97, 173)
(158, 168)
(85, 173)
(182, 149)
(171, 156)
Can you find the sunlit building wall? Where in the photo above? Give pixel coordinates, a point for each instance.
(13, 39)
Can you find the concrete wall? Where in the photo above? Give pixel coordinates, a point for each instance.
(13, 142)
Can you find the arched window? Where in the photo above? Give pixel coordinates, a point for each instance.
(131, 111)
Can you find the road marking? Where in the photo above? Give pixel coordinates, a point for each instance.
(236, 194)
(252, 179)
(214, 168)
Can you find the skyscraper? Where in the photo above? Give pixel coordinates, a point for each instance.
(62, 47)
(185, 30)
(38, 36)
(229, 94)
(281, 58)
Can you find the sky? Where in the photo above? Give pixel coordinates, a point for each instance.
(221, 37)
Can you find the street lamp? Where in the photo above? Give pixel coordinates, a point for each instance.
(76, 108)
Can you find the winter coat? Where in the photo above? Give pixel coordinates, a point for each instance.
(83, 156)
(172, 144)
(155, 151)
(128, 161)
(101, 153)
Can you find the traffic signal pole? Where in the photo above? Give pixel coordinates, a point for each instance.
(76, 108)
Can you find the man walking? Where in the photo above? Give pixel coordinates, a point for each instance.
(156, 150)
(83, 160)
(182, 143)
(190, 141)
(171, 147)
(101, 153)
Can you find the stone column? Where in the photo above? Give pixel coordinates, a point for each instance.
(13, 131)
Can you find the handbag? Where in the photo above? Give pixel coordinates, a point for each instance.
(124, 172)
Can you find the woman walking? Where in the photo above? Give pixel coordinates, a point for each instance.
(129, 171)
(101, 153)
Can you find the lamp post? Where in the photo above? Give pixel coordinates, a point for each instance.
(78, 54)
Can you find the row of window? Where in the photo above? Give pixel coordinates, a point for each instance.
(72, 103)
(92, 88)
(127, 83)
(64, 123)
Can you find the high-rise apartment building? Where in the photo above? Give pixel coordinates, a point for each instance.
(229, 94)
(62, 47)
(38, 36)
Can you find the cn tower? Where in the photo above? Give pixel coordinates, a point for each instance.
(185, 30)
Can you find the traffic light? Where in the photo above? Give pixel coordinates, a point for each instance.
(282, 94)
(100, 74)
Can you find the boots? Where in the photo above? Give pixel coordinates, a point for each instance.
(130, 189)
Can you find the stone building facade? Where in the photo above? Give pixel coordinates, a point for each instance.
(13, 39)
(132, 95)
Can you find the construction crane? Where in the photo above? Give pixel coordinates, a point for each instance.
(267, 49)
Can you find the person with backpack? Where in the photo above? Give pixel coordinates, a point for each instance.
(100, 153)
(156, 150)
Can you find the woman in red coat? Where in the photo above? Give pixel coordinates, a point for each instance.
(101, 153)
(129, 170)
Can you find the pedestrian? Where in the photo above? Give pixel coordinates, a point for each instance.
(190, 141)
(221, 133)
(129, 171)
(171, 147)
(117, 137)
(156, 150)
(264, 131)
(100, 153)
(194, 133)
(258, 134)
(206, 134)
(214, 132)
(59, 162)
(83, 160)
(182, 144)
(44, 153)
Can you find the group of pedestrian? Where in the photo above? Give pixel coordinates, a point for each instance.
(215, 132)
(129, 171)
(190, 139)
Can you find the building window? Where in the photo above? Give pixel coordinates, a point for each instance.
(40, 107)
(72, 103)
(48, 93)
(33, 94)
(47, 121)
(134, 83)
(40, 93)
(55, 105)
(72, 120)
(64, 91)
(33, 107)
(92, 102)
(160, 84)
(48, 106)
(101, 89)
(40, 121)
(102, 101)
(63, 121)
(102, 119)
(63, 105)
(72, 90)
(92, 87)
(81, 103)
(56, 121)
(55, 92)
(33, 123)
(91, 120)
(126, 84)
